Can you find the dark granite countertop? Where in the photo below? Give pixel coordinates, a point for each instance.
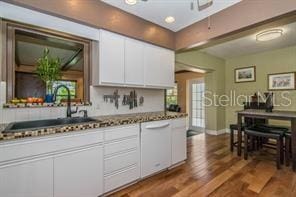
(103, 121)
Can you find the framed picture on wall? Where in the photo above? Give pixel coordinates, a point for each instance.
(282, 81)
(246, 74)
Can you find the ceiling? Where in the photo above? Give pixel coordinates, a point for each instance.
(181, 66)
(248, 45)
(30, 47)
(157, 10)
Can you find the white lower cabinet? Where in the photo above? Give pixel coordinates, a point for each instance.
(121, 156)
(121, 178)
(90, 163)
(178, 145)
(179, 141)
(79, 173)
(121, 161)
(31, 178)
(66, 165)
(122, 145)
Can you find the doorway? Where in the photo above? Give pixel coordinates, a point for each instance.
(197, 108)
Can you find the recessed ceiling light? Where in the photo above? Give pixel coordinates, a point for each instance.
(169, 19)
(269, 35)
(131, 2)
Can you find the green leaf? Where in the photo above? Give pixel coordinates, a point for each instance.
(48, 68)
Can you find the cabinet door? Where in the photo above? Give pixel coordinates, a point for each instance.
(134, 62)
(155, 147)
(29, 178)
(179, 151)
(159, 66)
(151, 65)
(79, 173)
(167, 67)
(111, 58)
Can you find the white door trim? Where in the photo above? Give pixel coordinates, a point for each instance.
(198, 80)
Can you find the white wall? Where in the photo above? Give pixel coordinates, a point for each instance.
(154, 101)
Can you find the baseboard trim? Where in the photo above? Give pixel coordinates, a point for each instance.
(177, 164)
(214, 132)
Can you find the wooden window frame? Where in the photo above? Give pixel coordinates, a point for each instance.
(172, 95)
(8, 53)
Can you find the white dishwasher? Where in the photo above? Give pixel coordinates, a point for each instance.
(155, 147)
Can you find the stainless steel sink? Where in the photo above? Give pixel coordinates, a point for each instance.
(27, 125)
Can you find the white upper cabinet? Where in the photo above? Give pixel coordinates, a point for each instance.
(158, 66)
(134, 62)
(129, 62)
(111, 58)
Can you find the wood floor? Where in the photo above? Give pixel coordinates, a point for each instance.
(212, 170)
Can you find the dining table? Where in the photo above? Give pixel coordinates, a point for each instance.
(275, 115)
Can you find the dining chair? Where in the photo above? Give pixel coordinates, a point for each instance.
(264, 132)
(288, 147)
(267, 132)
(247, 122)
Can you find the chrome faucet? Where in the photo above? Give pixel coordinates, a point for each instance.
(69, 111)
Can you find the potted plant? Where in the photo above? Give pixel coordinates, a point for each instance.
(49, 71)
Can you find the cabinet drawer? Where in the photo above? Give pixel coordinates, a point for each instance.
(121, 178)
(121, 132)
(121, 161)
(34, 147)
(179, 123)
(120, 146)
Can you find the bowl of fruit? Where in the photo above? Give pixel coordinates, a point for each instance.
(15, 101)
(34, 100)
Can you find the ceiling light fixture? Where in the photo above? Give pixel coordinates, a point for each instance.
(131, 2)
(197, 70)
(169, 19)
(269, 35)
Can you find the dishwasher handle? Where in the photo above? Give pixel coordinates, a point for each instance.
(157, 126)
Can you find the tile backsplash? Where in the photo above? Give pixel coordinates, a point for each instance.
(154, 101)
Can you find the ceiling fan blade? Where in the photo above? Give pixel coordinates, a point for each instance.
(203, 4)
(191, 5)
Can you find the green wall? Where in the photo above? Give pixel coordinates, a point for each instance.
(221, 80)
(215, 82)
(276, 61)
